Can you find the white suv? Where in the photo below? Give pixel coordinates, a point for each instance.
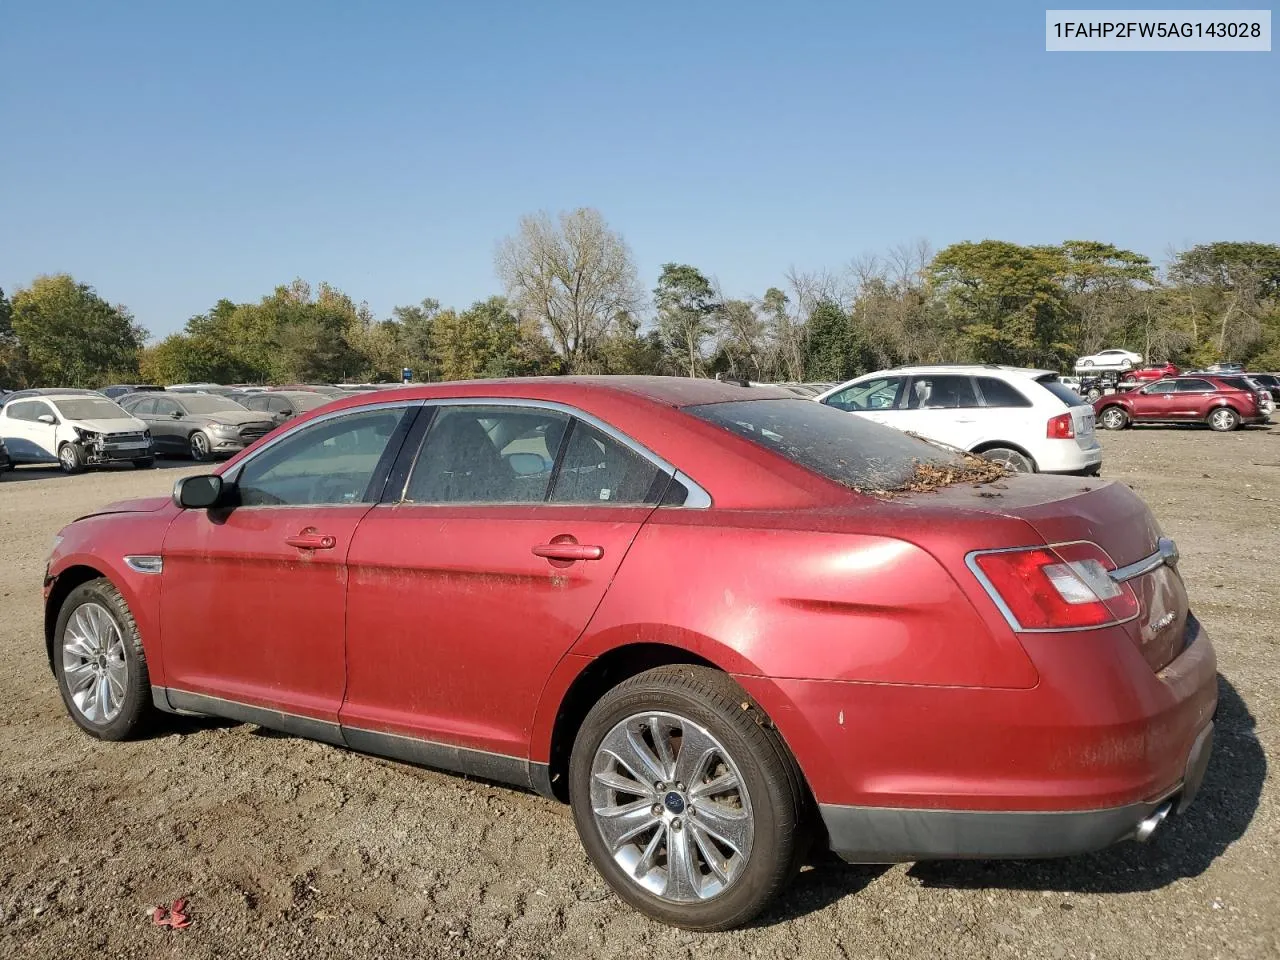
(75, 431)
(1026, 419)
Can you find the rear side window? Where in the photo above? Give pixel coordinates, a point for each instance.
(998, 393)
(143, 408)
(598, 469)
(1194, 386)
(1061, 391)
(849, 450)
(944, 392)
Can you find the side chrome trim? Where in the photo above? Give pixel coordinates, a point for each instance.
(144, 563)
(698, 496)
(230, 475)
(1165, 555)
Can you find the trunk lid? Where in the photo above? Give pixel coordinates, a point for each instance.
(1109, 514)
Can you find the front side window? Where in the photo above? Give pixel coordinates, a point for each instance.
(487, 455)
(167, 408)
(878, 394)
(142, 408)
(1164, 386)
(940, 393)
(331, 462)
(201, 404)
(29, 410)
(598, 469)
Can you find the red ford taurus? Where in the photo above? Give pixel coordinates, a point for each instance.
(722, 622)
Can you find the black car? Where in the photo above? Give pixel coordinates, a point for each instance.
(1270, 382)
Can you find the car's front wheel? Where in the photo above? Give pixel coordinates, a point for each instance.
(71, 458)
(1224, 419)
(686, 799)
(1114, 418)
(200, 446)
(99, 662)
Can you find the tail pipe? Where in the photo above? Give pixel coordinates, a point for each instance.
(1148, 826)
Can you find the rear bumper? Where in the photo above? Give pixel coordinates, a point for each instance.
(1067, 456)
(893, 835)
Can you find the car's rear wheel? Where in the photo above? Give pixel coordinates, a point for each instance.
(1086, 363)
(686, 799)
(1011, 459)
(99, 662)
(1114, 418)
(1224, 419)
(71, 458)
(200, 446)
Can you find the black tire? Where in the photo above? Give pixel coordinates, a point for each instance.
(1223, 419)
(1113, 418)
(135, 707)
(146, 463)
(200, 446)
(1015, 460)
(71, 458)
(1086, 363)
(779, 805)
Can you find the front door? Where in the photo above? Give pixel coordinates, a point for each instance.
(1156, 402)
(469, 587)
(253, 602)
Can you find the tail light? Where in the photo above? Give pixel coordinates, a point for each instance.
(1061, 427)
(1063, 587)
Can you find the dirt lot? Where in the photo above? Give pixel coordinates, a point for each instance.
(294, 849)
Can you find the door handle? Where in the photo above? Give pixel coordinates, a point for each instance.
(568, 551)
(311, 541)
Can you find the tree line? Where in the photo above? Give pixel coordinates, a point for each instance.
(572, 303)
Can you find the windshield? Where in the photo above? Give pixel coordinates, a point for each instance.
(90, 409)
(207, 403)
(843, 447)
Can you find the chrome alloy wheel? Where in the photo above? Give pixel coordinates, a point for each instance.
(672, 807)
(1113, 419)
(93, 662)
(1222, 419)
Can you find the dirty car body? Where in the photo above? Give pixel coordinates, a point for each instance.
(456, 575)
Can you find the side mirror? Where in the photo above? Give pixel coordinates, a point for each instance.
(48, 418)
(177, 414)
(197, 493)
(286, 413)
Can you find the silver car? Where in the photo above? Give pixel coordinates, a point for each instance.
(200, 425)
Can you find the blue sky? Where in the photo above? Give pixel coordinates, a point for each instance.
(174, 153)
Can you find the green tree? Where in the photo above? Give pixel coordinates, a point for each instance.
(832, 349)
(1229, 296)
(70, 336)
(1007, 300)
(687, 308)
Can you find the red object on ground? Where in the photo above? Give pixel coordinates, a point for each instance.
(174, 916)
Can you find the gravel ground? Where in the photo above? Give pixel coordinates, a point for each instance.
(295, 849)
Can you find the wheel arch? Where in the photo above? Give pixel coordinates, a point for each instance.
(62, 585)
(1003, 444)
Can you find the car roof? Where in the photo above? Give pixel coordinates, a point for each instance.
(669, 391)
(969, 368)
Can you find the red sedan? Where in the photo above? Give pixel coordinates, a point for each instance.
(724, 623)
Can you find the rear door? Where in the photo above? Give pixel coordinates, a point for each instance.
(1191, 398)
(475, 578)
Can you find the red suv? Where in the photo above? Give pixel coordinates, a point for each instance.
(1220, 404)
(1152, 373)
(722, 621)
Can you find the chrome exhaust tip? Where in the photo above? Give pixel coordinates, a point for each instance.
(1148, 826)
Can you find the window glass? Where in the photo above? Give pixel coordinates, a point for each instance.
(998, 393)
(29, 410)
(201, 404)
(1194, 386)
(1070, 397)
(878, 394)
(941, 392)
(599, 469)
(849, 450)
(166, 408)
(487, 455)
(332, 462)
(140, 408)
(91, 409)
(1163, 386)
(256, 402)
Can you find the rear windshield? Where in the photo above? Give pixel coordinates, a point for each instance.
(843, 447)
(90, 409)
(1061, 391)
